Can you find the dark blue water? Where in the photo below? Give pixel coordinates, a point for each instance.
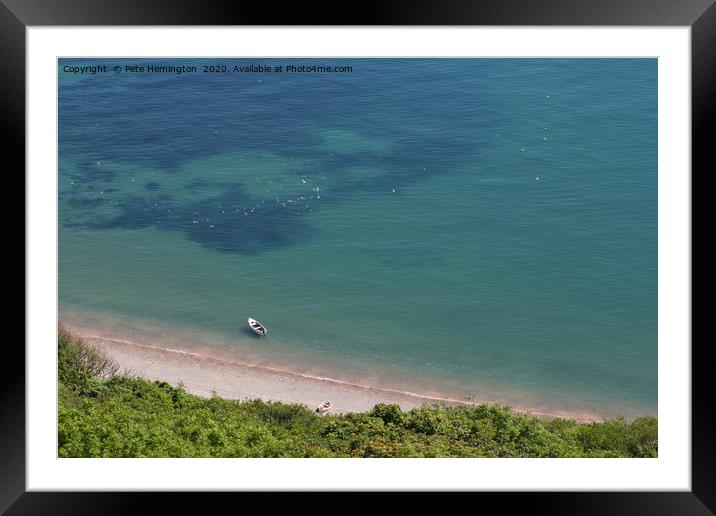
(476, 226)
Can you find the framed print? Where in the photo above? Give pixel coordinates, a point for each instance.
(428, 249)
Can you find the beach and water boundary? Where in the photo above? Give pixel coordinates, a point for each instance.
(208, 371)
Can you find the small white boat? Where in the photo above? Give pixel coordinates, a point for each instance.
(258, 328)
(323, 407)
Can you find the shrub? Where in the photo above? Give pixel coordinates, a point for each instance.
(79, 363)
(643, 437)
(388, 413)
(428, 420)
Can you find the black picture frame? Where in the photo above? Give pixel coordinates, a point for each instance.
(700, 15)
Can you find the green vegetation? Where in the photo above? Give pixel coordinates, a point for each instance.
(105, 414)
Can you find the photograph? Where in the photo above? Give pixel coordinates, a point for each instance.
(380, 257)
(443, 249)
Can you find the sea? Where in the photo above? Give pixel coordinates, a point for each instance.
(474, 229)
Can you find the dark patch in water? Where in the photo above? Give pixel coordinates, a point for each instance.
(412, 161)
(238, 222)
(233, 222)
(171, 124)
(94, 172)
(197, 182)
(266, 228)
(85, 202)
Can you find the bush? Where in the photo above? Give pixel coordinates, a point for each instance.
(79, 362)
(281, 414)
(643, 437)
(388, 413)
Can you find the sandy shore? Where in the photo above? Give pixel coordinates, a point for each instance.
(205, 376)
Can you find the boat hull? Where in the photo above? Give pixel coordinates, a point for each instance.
(258, 328)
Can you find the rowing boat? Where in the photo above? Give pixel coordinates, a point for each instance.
(323, 407)
(258, 328)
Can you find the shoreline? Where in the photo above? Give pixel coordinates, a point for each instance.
(206, 375)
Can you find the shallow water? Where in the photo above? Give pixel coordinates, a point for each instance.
(478, 227)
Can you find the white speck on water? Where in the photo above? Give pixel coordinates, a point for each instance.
(537, 178)
(522, 150)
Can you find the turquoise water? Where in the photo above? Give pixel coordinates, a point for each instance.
(472, 227)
